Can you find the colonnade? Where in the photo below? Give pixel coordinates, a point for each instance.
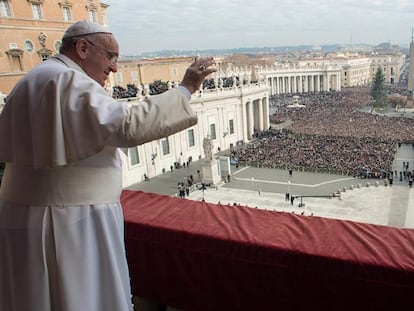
(293, 83)
(255, 114)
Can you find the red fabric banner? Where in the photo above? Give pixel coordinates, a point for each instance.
(203, 256)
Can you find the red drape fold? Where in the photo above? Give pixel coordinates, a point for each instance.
(202, 256)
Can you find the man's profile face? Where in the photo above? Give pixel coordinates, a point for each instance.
(102, 59)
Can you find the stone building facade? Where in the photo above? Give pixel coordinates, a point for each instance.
(31, 30)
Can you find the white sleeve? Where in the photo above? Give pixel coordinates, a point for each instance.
(154, 118)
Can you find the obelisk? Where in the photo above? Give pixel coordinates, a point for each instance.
(410, 86)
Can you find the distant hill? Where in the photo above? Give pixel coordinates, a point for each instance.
(243, 50)
(361, 47)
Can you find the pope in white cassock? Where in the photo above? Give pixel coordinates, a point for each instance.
(61, 223)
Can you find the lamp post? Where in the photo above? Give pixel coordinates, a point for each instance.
(372, 105)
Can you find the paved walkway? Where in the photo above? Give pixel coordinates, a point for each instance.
(266, 188)
(401, 201)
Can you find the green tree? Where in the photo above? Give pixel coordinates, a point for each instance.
(378, 91)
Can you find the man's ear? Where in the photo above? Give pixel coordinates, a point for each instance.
(81, 48)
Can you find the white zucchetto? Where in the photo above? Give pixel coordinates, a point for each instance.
(82, 28)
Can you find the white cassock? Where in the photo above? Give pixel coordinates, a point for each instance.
(61, 223)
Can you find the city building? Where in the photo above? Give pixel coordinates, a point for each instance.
(31, 30)
(355, 69)
(230, 116)
(302, 77)
(391, 65)
(146, 71)
(329, 262)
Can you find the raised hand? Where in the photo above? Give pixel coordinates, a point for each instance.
(197, 72)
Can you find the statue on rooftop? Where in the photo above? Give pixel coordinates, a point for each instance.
(208, 148)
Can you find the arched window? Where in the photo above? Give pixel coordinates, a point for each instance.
(5, 8)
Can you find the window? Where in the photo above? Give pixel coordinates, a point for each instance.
(104, 19)
(37, 12)
(44, 56)
(15, 59)
(92, 16)
(4, 8)
(134, 155)
(134, 75)
(16, 63)
(231, 126)
(213, 131)
(28, 46)
(67, 15)
(191, 140)
(165, 144)
(57, 45)
(118, 78)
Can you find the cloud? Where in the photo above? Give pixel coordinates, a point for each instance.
(191, 24)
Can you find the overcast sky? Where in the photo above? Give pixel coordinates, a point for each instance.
(145, 26)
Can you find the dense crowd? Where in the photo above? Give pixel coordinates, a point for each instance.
(362, 157)
(224, 82)
(159, 87)
(153, 88)
(330, 134)
(120, 92)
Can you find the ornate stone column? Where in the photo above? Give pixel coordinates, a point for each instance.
(306, 84)
(318, 83)
(300, 89)
(250, 119)
(295, 89)
(326, 82)
(244, 122)
(266, 113)
(312, 83)
(278, 84)
(289, 84)
(260, 108)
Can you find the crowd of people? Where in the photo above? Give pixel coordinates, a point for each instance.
(330, 134)
(130, 91)
(158, 87)
(362, 157)
(154, 88)
(224, 82)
